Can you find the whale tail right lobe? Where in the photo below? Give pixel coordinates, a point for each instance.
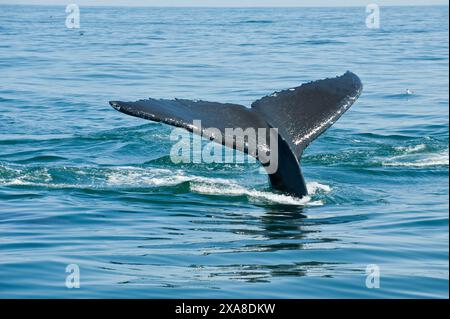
(299, 114)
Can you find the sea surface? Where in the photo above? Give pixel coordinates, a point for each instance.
(84, 185)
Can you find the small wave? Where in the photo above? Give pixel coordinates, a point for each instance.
(42, 158)
(265, 196)
(257, 22)
(132, 176)
(126, 177)
(210, 186)
(434, 159)
(406, 95)
(254, 195)
(411, 149)
(322, 42)
(315, 187)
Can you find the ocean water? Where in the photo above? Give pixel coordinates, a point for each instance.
(83, 184)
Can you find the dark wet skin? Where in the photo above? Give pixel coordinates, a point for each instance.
(299, 114)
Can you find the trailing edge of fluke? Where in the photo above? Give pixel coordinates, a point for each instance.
(299, 114)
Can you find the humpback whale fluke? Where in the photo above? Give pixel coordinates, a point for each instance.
(299, 114)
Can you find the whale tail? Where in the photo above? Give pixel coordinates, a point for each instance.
(298, 114)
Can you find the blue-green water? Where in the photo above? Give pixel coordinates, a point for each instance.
(83, 184)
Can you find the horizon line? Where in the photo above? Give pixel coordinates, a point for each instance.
(224, 6)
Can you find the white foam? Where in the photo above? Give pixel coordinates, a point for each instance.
(20, 177)
(315, 187)
(154, 177)
(411, 149)
(236, 190)
(433, 159)
(132, 176)
(127, 176)
(21, 182)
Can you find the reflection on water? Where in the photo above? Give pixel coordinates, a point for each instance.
(282, 228)
(279, 228)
